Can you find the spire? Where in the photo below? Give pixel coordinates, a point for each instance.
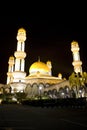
(38, 58)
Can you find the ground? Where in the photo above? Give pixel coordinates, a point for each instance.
(24, 117)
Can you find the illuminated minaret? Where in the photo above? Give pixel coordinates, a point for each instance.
(10, 69)
(76, 57)
(20, 55)
(50, 67)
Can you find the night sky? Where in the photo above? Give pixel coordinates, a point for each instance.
(48, 37)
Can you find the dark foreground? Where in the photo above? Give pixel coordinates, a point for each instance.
(23, 117)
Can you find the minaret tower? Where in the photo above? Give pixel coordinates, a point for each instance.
(20, 55)
(50, 67)
(10, 70)
(76, 57)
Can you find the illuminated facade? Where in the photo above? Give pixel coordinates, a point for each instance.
(40, 73)
(39, 80)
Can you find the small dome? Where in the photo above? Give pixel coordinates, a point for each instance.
(22, 30)
(40, 67)
(11, 58)
(21, 35)
(60, 76)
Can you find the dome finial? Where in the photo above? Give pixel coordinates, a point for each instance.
(38, 58)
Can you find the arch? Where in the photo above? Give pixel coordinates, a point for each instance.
(49, 93)
(41, 88)
(67, 91)
(28, 85)
(72, 93)
(28, 90)
(41, 84)
(61, 93)
(47, 85)
(34, 85)
(61, 89)
(66, 86)
(45, 93)
(74, 87)
(34, 89)
(54, 93)
(81, 91)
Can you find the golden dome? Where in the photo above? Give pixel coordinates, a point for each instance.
(40, 67)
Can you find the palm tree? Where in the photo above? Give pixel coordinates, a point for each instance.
(84, 78)
(75, 79)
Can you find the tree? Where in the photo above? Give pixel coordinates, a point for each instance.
(20, 96)
(78, 80)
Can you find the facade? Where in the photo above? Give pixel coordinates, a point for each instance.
(40, 80)
(40, 73)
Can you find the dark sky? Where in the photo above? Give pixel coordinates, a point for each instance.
(48, 36)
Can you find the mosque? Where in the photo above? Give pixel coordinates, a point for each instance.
(40, 79)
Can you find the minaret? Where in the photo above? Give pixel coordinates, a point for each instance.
(50, 67)
(20, 55)
(10, 69)
(76, 57)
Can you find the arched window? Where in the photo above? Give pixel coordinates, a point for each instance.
(34, 89)
(47, 85)
(61, 93)
(41, 88)
(28, 89)
(54, 93)
(67, 91)
(72, 93)
(50, 93)
(34, 85)
(81, 91)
